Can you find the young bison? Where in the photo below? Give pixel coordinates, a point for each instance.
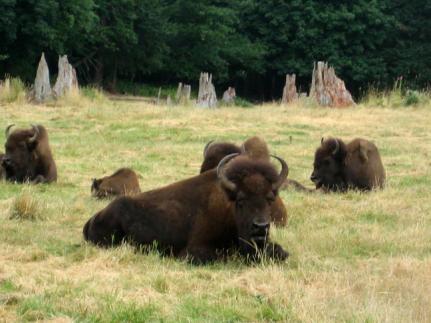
(201, 217)
(28, 157)
(339, 166)
(123, 182)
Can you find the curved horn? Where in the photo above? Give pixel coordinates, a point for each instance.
(220, 173)
(321, 141)
(337, 147)
(207, 146)
(36, 133)
(8, 130)
(283, 173)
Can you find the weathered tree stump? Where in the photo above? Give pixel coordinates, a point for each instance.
(42, 86)
(229, 96)
(183, 93)
(327, 89)
(207, 97)
(289, 90)
(66, 79)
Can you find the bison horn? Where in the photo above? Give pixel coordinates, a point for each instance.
(321, 141)
(36, 133)
(220, 173)
(337, 147)
(207, 146)
(8, 130)
(283, 173)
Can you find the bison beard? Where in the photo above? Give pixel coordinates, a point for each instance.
(28, 156)
(339, 166)
(199, 217)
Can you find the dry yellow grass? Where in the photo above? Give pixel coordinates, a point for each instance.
(354, 257)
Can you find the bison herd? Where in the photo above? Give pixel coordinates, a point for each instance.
(229, 206)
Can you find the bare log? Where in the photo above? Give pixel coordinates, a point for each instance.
(42, 86)
(207, 97)
(229, 96)
(327, 89)
(66, 79)
(289, 90)
(183, 93)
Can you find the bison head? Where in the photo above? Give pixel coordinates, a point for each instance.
(214, 153)
(252, 186)
(328, 172)
(20, 146)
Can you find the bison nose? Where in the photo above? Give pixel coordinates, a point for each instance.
(313, 177)
(260, 226)
(6, 160)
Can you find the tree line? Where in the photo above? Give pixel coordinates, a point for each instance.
(250, 44)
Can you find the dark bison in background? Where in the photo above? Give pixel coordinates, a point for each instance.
(254, 148)
(2, 171)
(123, 182)
(339, 166)
(28, 157)
(214, 152)
(200, 218)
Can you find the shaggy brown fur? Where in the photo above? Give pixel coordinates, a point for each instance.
(123, 182)
(339, 166)
(200, 217)
(214, 152)
(2, 171)
(28, 157)
(255, 148)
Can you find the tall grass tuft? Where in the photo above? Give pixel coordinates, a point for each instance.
(25, 207)
(397, 97)
(12, 89)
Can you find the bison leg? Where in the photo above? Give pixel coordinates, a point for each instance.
(199, 255)
(276, 252)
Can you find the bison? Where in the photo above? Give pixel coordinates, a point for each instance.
(28, 157)
(215, 152)
(2, 171)
(254, 148)
(200, 218)
(339, 166)
(123, 182)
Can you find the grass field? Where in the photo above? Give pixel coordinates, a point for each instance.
(354, 257)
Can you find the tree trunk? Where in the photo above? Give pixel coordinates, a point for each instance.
(183, 93)
(229, 96)
(327, 89)
(42, 86)
(66, 79)
(289, 90)
(207, 97)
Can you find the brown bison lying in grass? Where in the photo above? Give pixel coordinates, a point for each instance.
(339, 166)
(202, 217)
(2, 171)
(123, 182)
(254, 148)
(28, 157)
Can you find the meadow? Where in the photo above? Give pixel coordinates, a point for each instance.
(355, 257)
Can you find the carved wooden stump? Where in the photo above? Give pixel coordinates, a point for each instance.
(207, 97)
(66, 79)
(229, 96)
(289, 90)
(328, 89)
(42, 87)
(183, 93)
